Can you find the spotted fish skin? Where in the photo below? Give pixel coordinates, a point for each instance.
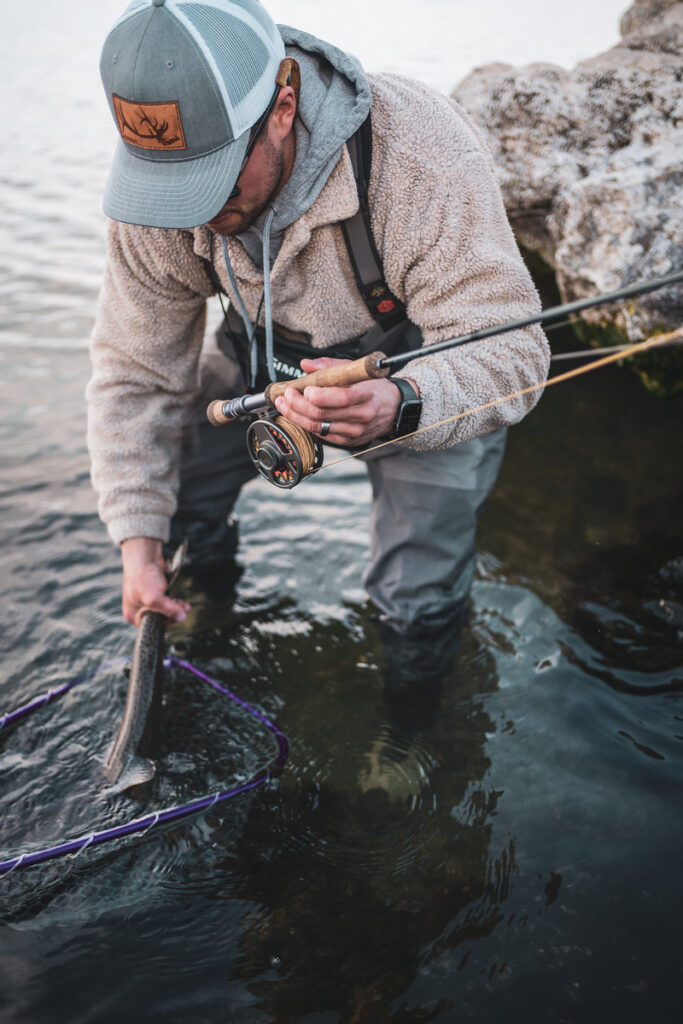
(123, 767)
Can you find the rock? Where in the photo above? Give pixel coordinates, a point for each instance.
(590, 162)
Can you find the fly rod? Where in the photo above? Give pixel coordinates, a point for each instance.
(545, 316)
(377, 365)
(366, 368)
(284, 453)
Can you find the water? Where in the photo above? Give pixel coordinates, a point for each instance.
(506, 848)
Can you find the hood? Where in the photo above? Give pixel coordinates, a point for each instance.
(334, 102)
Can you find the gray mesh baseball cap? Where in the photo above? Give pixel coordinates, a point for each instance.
(185, 82)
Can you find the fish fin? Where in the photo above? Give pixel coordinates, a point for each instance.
(174, 566)
(138, 772)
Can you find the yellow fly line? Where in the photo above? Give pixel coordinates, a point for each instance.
(673, 337)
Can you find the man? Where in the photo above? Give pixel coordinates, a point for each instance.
(234, 172)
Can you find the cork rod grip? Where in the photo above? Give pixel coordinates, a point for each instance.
(215, 414)
(365, 368)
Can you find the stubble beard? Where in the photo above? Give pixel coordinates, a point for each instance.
(275, 168)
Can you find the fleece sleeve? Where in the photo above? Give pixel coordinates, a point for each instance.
(450, 255)
(145, 349)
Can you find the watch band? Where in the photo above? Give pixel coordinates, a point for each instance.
(408, 415)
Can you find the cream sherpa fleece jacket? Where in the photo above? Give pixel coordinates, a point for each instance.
(448, 253)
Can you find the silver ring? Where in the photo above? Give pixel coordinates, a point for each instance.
(325, 428)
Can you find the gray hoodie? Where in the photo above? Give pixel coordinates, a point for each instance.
(335, 100)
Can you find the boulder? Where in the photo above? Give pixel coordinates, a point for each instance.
(590, 163)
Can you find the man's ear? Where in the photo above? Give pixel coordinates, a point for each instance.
(284, 111)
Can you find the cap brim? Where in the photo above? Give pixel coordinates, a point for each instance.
(172, 193)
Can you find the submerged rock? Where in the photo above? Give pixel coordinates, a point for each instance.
(590, 162)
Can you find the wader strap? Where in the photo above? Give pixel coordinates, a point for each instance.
(382, 304)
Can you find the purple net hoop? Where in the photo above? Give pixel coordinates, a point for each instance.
(140, 825)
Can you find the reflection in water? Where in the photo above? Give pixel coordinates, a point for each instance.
(361, 883)
(366, 874)
(623, 598)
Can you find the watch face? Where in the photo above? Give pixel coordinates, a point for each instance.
(409, 417)
(409, 411)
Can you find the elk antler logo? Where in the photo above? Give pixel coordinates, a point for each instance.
(149, 125)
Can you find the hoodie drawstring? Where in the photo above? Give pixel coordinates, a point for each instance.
(248, 326)
(270, 349)
(268, 312)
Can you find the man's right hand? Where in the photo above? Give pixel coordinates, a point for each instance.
(144, 582)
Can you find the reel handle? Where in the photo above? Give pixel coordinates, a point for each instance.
(366, 368)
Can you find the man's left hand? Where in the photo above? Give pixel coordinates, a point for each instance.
(357, 414)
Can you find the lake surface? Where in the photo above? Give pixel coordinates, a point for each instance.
(501, 843)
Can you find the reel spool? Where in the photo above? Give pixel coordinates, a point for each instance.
(283, 452)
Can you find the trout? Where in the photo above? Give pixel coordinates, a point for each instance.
(125, 765)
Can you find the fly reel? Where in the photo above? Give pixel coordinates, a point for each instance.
(283, 452)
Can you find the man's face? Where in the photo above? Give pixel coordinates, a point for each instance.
(259, 183)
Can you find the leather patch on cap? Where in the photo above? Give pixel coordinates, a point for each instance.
(149, 125)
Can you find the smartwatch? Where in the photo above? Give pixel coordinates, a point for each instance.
(408, 415)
